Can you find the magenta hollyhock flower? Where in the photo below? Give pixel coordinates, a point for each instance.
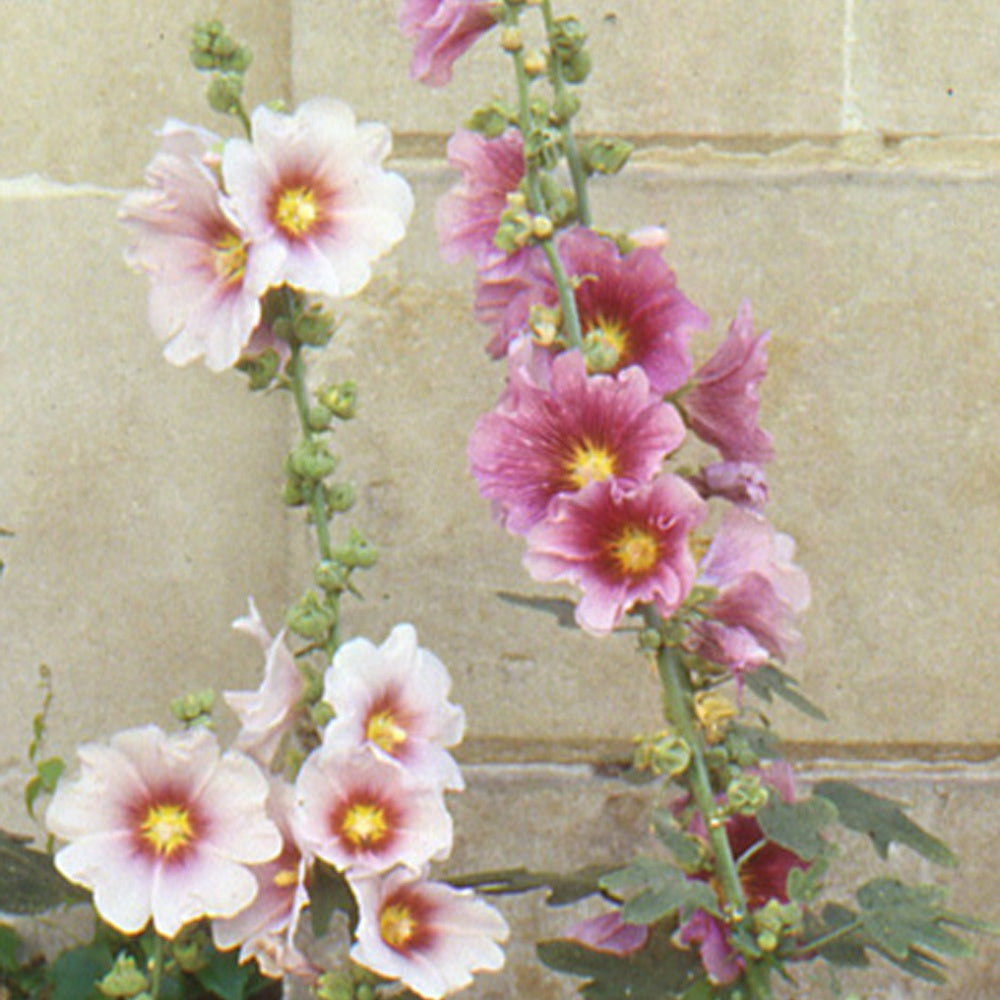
(427, 935)
(503, 297)
(760, 590)
(265, 930)
(723, 404)
(630, 302)
(271, 711)
(443, 30)
(361, 812)
(205, 283)
(609, 933)
(314, 197)
(741, 483)
(393, 699)
(469, 214)
(557, 434)
(163, 827)
(620, 548)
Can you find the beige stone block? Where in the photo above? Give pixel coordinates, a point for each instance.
(660, 68)
(87, 84)
(926, 68)
(143, 497)
(882, 401)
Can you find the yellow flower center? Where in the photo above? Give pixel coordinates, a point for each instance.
(297, 211)
(384, 732)
(285, 878)
(605, 345)
(635, 551)
(397, 925)
(365, 824)
(229, 258)
(589, 463)
(167, 828)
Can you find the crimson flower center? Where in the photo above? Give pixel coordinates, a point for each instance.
(634, 550)
(365, 824)
(167, 828)
(297, 211)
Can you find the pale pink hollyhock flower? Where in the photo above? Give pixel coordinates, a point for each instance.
(760, 590)
(163, 827)
(361, 812)
(741, 483)
(393, 699)
(620, 548)
(723, 404)
(444, 30)
(469, 214)
(609, 933)
(271, 711)
(205, 283)
(266, 929)
(630, 301)
(557, 434)
(428, 935)
(314, 196)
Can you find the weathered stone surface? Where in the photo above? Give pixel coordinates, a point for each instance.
(87, 85)
(142, 497)
(926, 68)
(658, 67)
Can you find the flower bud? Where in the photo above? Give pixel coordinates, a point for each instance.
(535, 63)
(577, 68)
(358, 552)
(331, 576)
(311, 617)
(541, 227)
(664, 753)
(260, 370)
(292, 494)
(606, 155)
(124, 980)
(311, 461)
(335, 986)
(490, 120)
(567, 104)
(600, 353)
(511, 39)
(314, 326)
(767, 941)
(225, 92)
(341, 399)
(714, 713)
(194, 708)
(746, 794)
(340, 498)
(319, 417)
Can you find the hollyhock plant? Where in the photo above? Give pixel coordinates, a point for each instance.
(621, 548)
(393, 700)
(266, 929)
(205, 283)
(443, 30)
(164, 828)
(314, 197)
(723, 404)
(628, 304)
(269, 713)
(759, 589)
(546, 439)
(468, 216)
(360, 812)
(427, 935)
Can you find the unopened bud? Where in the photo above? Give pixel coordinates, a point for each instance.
(600, 352)
(194, 707)
(311, 460)
(319, 417)
(511, 39)
(714, 712)
(767, 941)
(541, 227)
(341, 497)
(124, 980)
(746, 795)
(314, 326)
(311, 617)
(341, 399)
(225, 92)
(606, 155)
(331, 576)
(535, 63)
(358, 552)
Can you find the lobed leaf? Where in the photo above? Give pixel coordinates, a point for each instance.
(768, 681)
(29, 883)
(796, 825)
(655, 890)
(564, 888)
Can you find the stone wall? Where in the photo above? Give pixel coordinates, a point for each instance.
(836, 161)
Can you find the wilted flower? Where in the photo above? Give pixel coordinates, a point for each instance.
(205, 283)
(741, 483)
(426, 934)
(469, 214)
(444, 30)
(164, 827)
(608, 932)
(266, 929)
(268, 713)
(620, 548)
(556, 434)
(393, 699)
(314, 197)
(361, 812)
(723, 404)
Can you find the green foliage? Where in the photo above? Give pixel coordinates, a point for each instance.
(658, 972)
(655, 890)
(768, 681)
(606, 155)
(564, 888)
(797, 825)
(883, 821)
(73, 975)
(329, 893)
(560, 609)
(20, 976)
(687, 850)
(29, 884)
(224, 977)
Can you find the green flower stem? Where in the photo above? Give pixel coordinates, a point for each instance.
(567, 300)
(157, 970)
(576, 170)
(806, 950)
(244, 119)
(317, 495)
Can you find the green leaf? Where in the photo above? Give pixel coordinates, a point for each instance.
(687, 850)
(658, 972)
(883, 821)
(328, 893)
(847, 951)
(73, 974)
(656, 890)
(562, 610)
(45, 780)
(224, 976)
(803, 886)
(797, 825)
(564, 888)
(29, 883)
(768, 681)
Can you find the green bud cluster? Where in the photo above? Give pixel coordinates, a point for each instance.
(340, 399)
(313, 617)
(491, 120)
(665, 753)
(261, 371)
(195, 708)
(605, 155)
(125, 979)
(775, 921)
(746, 794)
(568, 45)
(213, 49)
